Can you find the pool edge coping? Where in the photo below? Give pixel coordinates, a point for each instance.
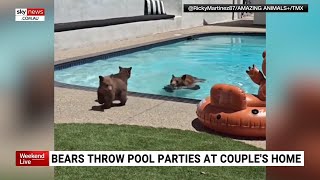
(155, 43)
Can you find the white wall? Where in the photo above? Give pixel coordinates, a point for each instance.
(173, 7)
(196, 19)
(80, 10)
(98, 9)
(86, 37)
(259, 18)
(190, 19)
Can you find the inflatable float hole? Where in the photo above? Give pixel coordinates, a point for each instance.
(255, 111)
(218, 116)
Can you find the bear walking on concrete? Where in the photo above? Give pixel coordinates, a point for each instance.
(113, 87)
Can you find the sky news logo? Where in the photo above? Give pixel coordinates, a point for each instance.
(30, 14)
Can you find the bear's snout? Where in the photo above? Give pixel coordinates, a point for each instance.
(173, 83)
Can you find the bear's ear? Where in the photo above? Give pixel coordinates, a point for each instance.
(101, 78)
(120, 68)
(130, 68)
(173, 76)
(184, 77)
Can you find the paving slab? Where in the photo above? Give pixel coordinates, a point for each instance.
(101, 47)
(75, 106)
(168, 114)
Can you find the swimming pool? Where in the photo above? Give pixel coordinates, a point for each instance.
(218, 59)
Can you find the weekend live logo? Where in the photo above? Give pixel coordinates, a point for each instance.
(32, 158)
(30, 14)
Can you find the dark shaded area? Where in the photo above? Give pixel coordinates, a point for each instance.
(134, 94)
(294, 125)
(97, 108)
(36, 98)
(240, 23)
(101, 109)
(170, 88)
(191, 38)
(197, 125)
(60, 27)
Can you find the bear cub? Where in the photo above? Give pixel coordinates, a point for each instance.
(113, 87)
(184, 82)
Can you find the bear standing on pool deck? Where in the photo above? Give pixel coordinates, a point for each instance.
(114, 87)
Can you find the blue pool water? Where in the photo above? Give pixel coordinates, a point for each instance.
(218, 59)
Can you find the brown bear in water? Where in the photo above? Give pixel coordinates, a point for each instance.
(113, 87)
(184, 81)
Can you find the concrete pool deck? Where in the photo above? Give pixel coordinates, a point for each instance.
(75, 106)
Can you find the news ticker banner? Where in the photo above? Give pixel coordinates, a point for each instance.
(30, 14)
(159, 158)
(245, 8)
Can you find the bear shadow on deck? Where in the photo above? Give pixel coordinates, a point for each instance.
(100, 107)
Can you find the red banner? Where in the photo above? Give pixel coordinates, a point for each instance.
(32, 158)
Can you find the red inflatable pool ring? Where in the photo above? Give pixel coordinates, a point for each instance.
(231, 111)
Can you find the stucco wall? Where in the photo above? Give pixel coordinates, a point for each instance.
(196, 19)
(86, 37)
(79, 10)
(259, 18)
